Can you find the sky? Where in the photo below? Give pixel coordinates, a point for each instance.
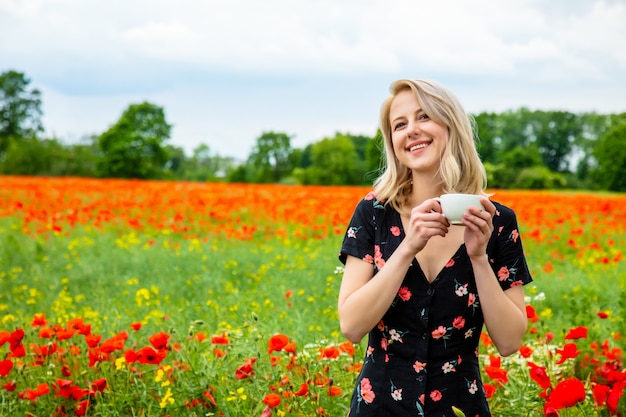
(227, 71)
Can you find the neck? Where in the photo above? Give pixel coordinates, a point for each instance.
(425, 186)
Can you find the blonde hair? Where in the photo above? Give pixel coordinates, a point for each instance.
(460, 170)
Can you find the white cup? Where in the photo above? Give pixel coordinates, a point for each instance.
(454, 206)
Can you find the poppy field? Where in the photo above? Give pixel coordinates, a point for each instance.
(156, 298)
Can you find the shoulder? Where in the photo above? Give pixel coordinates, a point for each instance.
(371, 202)
(503, 213)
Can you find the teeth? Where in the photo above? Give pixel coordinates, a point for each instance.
(416, 147)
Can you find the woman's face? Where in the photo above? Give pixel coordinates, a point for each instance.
(418, 142)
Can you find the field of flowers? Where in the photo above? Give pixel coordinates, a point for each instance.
(147, 298)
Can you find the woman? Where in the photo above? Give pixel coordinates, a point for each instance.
(421, 287)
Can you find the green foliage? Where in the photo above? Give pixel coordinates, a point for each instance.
(32, 156)
(20, 108)
(270, 159)
(134, 147)
(520, 148)
(610, 152)
(203, 166)
(334, 162)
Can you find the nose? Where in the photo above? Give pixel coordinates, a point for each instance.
(413, 129)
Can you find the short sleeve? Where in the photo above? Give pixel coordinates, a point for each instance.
(506, 252)
(359, 239)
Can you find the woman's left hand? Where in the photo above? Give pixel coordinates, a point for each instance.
(478, 228)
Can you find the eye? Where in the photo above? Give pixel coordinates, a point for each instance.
(422, 116)
(399, 125)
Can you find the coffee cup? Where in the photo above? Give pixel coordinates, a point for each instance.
(454, 206)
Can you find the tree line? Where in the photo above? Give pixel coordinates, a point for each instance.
(520, 148)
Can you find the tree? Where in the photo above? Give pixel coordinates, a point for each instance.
(610, 153)
(270, 159)
(557, 131)
(134, 147)
(487, 142)
(20, 108)
(334, 162)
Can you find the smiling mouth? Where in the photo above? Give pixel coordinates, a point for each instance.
(418, 146)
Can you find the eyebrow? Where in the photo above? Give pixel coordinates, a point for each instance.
(419, 110)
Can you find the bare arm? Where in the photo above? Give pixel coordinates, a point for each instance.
(504, 311)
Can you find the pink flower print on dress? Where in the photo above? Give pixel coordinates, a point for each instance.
(397, 394)
(419, 366)
(471, 299)
(395, 230)
(368, 258)
(366, 391)
(473, 387)
(439, 332)
(395, 336)
(450, 263)
(503, 273)
(459, 322)
(436, 395)
(404, 293)
(352, 231)
(461, 291)
(448, 367)
(378, 257)
(514, 235)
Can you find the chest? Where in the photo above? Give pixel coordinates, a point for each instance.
(438, 251)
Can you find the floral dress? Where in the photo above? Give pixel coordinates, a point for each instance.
(422, 357)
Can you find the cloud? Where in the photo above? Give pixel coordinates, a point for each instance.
(227, 70)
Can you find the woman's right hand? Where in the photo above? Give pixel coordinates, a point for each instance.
(426, 221)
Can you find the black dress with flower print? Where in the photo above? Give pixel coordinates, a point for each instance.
(422, 357)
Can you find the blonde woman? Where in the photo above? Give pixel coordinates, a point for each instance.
(419, 287)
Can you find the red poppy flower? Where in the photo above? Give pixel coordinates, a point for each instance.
(567, 393)
(290, 347)
(497, 374)
(5, 367)
(99, 385)
(603, 314)
(81, 408)
(147, 355)
(539, 375)
(209, 396)
(304, 390)
(617, 391)
(10, 386)
(600, 393)
(579, 332)
(490, 389)
(220, 340)
(330, 352)
(159, 340)
(135, 326)
(531, 314)
(568, 352)
(347, 347)
(246, 370)
(334, 391)
(277, 343)
(39, 320)
(525, 351)
(93, 340)
(271, 400)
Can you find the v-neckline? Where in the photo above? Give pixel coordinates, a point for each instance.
(416, 262)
